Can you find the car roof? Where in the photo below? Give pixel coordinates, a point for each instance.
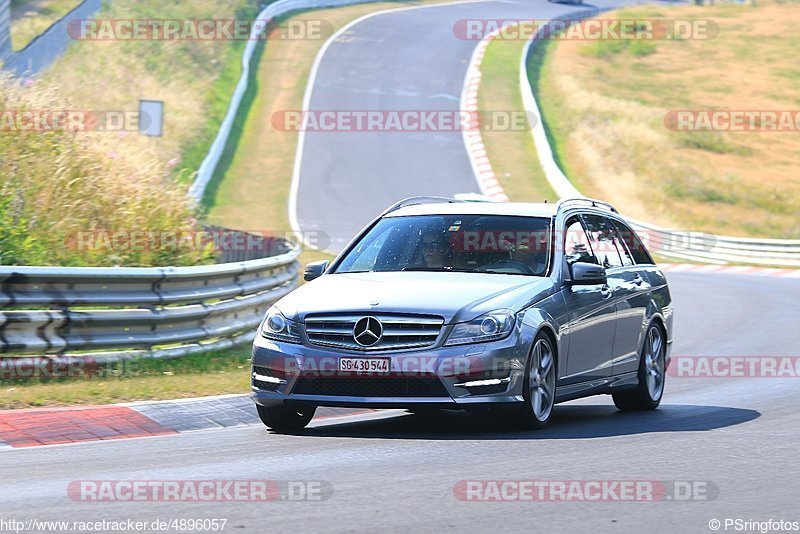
(522, 209)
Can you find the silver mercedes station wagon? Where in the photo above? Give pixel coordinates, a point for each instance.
(447, 304)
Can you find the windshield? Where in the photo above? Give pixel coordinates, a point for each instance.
(459, 243)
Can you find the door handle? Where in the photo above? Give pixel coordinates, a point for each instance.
(605, 291)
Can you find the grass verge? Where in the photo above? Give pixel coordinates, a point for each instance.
(604, 107)
(135, 380)
(512, 153)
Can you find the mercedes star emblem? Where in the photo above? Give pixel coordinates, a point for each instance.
(367, 331)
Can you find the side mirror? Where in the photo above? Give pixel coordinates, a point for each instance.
(587, 274)
(315, 269)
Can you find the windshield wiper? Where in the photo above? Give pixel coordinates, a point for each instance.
(461, 270)
(441, 269)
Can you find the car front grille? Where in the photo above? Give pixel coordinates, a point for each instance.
(361, 386)
(399, 331)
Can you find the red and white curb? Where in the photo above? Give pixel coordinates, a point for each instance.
(728, 269)
(53, 426)
(481, 167)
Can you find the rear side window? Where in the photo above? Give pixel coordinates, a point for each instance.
(634, 244)
(625, 254)
(603, 238)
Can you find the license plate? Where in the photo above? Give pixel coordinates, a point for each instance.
(365, 365)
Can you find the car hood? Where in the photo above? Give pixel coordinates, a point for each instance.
(455, 296)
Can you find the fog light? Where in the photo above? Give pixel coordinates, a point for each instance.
(486, 382)
(267, 379)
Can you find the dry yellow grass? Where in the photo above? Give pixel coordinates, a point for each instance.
(56, 184)
(115, 75)
(125, 390)
(191, 376)
(605, 109)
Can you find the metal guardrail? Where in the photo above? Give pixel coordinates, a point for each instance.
(5, 28)
(58, 310)
(687, 245)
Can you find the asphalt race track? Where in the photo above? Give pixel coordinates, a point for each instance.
(405, 60)
(390, 468)
(392, 471)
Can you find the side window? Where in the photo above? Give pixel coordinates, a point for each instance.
(625, 254)
(603, 240)
(634, 244)
(576, 243)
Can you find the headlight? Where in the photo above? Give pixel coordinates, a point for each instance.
(488, 327)
(279, 328)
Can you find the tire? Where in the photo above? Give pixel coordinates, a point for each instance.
(652, 375)
(539, 386)
(284, 418)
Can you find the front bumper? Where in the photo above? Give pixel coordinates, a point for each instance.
(308, 375)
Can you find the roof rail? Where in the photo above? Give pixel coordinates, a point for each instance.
(473, 197)
(413, 201)
(590, 201)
